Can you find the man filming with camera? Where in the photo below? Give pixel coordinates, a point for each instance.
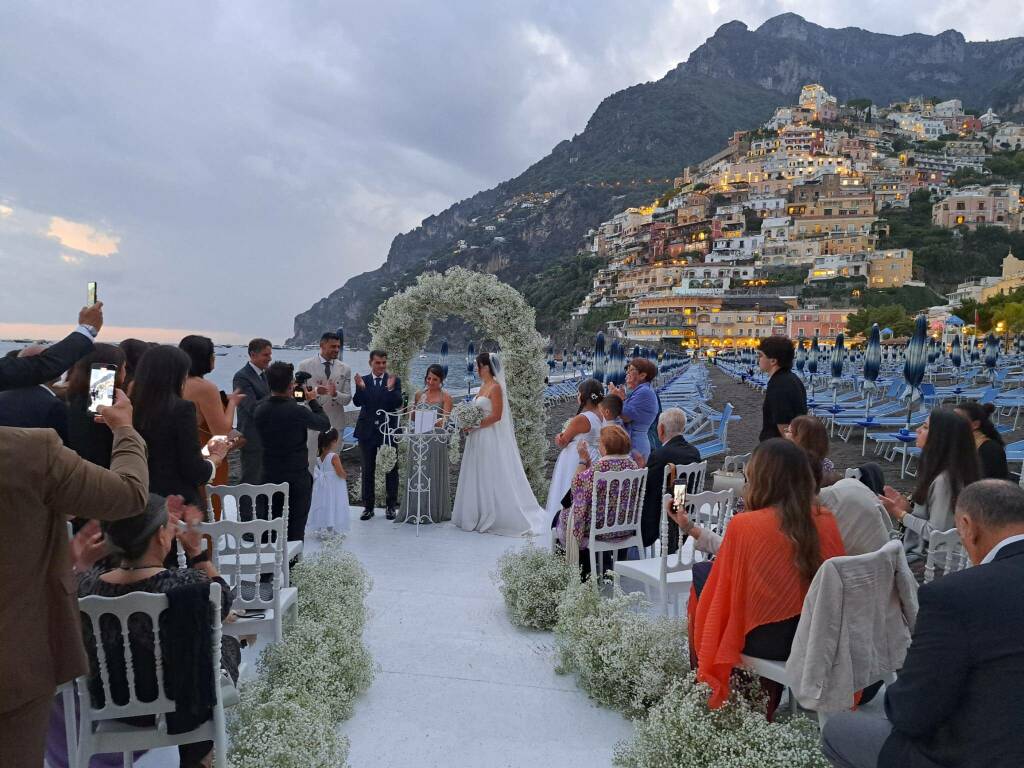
(282, 421)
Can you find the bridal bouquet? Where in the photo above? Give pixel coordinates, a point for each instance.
(467, 415)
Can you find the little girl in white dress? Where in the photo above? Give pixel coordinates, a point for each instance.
(329, 507)
(585, 427)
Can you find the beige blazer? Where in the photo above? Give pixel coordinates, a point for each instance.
(42, 484)
(334, 407)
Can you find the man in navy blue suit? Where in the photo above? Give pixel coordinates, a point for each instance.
(380, 391)
(956, 701)
(37, 406)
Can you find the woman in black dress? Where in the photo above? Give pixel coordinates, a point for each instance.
(88, 439)
(987, 439)
(178, 465)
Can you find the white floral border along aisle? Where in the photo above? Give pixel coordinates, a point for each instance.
(402, 326)
(288, 717)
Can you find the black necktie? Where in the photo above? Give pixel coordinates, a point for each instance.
(263, 377)
(327, 368)
(376, 381)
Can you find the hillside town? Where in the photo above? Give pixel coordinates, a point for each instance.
(747, 241)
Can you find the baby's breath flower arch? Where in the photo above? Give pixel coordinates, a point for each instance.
(402, 325)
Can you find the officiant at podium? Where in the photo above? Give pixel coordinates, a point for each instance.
(332, 381)
(378, 391)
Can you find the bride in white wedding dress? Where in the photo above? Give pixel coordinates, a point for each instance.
(493, 495)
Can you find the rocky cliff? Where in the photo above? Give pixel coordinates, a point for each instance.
(643, 135)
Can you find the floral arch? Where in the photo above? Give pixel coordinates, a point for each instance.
(402, 326)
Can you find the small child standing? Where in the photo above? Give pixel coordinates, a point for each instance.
(329, 506)
(610, 409)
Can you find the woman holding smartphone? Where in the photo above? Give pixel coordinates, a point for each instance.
(88, 439)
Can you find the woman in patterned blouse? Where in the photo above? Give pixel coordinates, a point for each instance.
(614, 448)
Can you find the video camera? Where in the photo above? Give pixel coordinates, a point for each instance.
(299, 393)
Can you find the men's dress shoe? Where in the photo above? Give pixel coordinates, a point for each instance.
(367, 514)
(391, 513)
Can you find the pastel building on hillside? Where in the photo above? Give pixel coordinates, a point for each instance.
(997, 205)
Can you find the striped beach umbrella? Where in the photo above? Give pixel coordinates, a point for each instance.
(914, 365)
(470, 360)
(565, 360)
(872, 358)
(1020, 343)
(600, 371)
(956, 353)
(812, 357)
(616, 371)
(801, 356)
(341, 338)
(991, 354)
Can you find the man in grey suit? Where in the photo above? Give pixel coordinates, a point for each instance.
(332, 381)
(251, 381)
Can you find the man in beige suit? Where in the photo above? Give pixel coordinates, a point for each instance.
(332, 380)
(42, 484)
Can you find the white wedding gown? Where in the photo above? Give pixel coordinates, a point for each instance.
(493, 495)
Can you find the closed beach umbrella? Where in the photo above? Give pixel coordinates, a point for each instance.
(443, 359)
(917, 356)
(470, 357)
(616, 374)
(1020, 343)
(600, 372)
(956, 353)
(636, 350)
(551, 359)
(661, 361)
(801, 357)
(976, 349)
(565, 360)
(872, 358)
(932, 352)
(812, 357)
(991, 353)
(341, 338)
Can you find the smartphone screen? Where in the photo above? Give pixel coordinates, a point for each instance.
(101, 385)
(91, 294)
(679, 495)
(299, 395)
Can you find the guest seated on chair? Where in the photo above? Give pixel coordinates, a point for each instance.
(613, 446)
(674, 450)
(754, 592)
(811, 435)
(989, 442)
(949, 463)
(143, 543)
(956, 702)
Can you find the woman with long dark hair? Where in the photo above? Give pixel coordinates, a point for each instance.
(88, 439)
(754, 593)
(988, 441)
(949, 463)
(168, 424)
(133, 350)
(584, 427)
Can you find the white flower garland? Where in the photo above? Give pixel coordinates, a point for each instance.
(402, 326)
(305, 686)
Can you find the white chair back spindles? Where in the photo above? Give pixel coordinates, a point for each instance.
(691, 474)
(711, 509)
(618, 513)
(736, 463)
(260, 496)
(946, 551)
(92, 739)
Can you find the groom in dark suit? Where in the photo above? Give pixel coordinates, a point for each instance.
(380, 391)
(251, 381)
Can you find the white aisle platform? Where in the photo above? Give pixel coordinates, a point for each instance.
(456, 686)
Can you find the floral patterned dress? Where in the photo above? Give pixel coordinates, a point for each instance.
(582, 497)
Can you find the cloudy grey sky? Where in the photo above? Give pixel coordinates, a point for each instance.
(222, 165)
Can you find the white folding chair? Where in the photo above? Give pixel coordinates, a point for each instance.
(693, 476)
(101, 729)
(945, 551)
(672, 574)
(618, 515)
(254, 494)
(242, 553)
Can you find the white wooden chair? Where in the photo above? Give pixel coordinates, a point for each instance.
(253, 493)
(242, 553)
(945, 551)
(100, 729)
(692, 475)
(619, 514)
(672, 574)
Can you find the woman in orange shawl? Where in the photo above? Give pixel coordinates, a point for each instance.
(753, 596)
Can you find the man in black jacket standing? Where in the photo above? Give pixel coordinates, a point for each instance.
(674, 450)
(956, 701)
(251, 381)
(28, 371)
(784, 397)
(379, 391)
(282, 423)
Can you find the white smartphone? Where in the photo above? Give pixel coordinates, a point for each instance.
(90, 290)
(101, 385)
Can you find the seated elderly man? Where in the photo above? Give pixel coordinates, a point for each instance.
(957, 699)
(674, 450)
